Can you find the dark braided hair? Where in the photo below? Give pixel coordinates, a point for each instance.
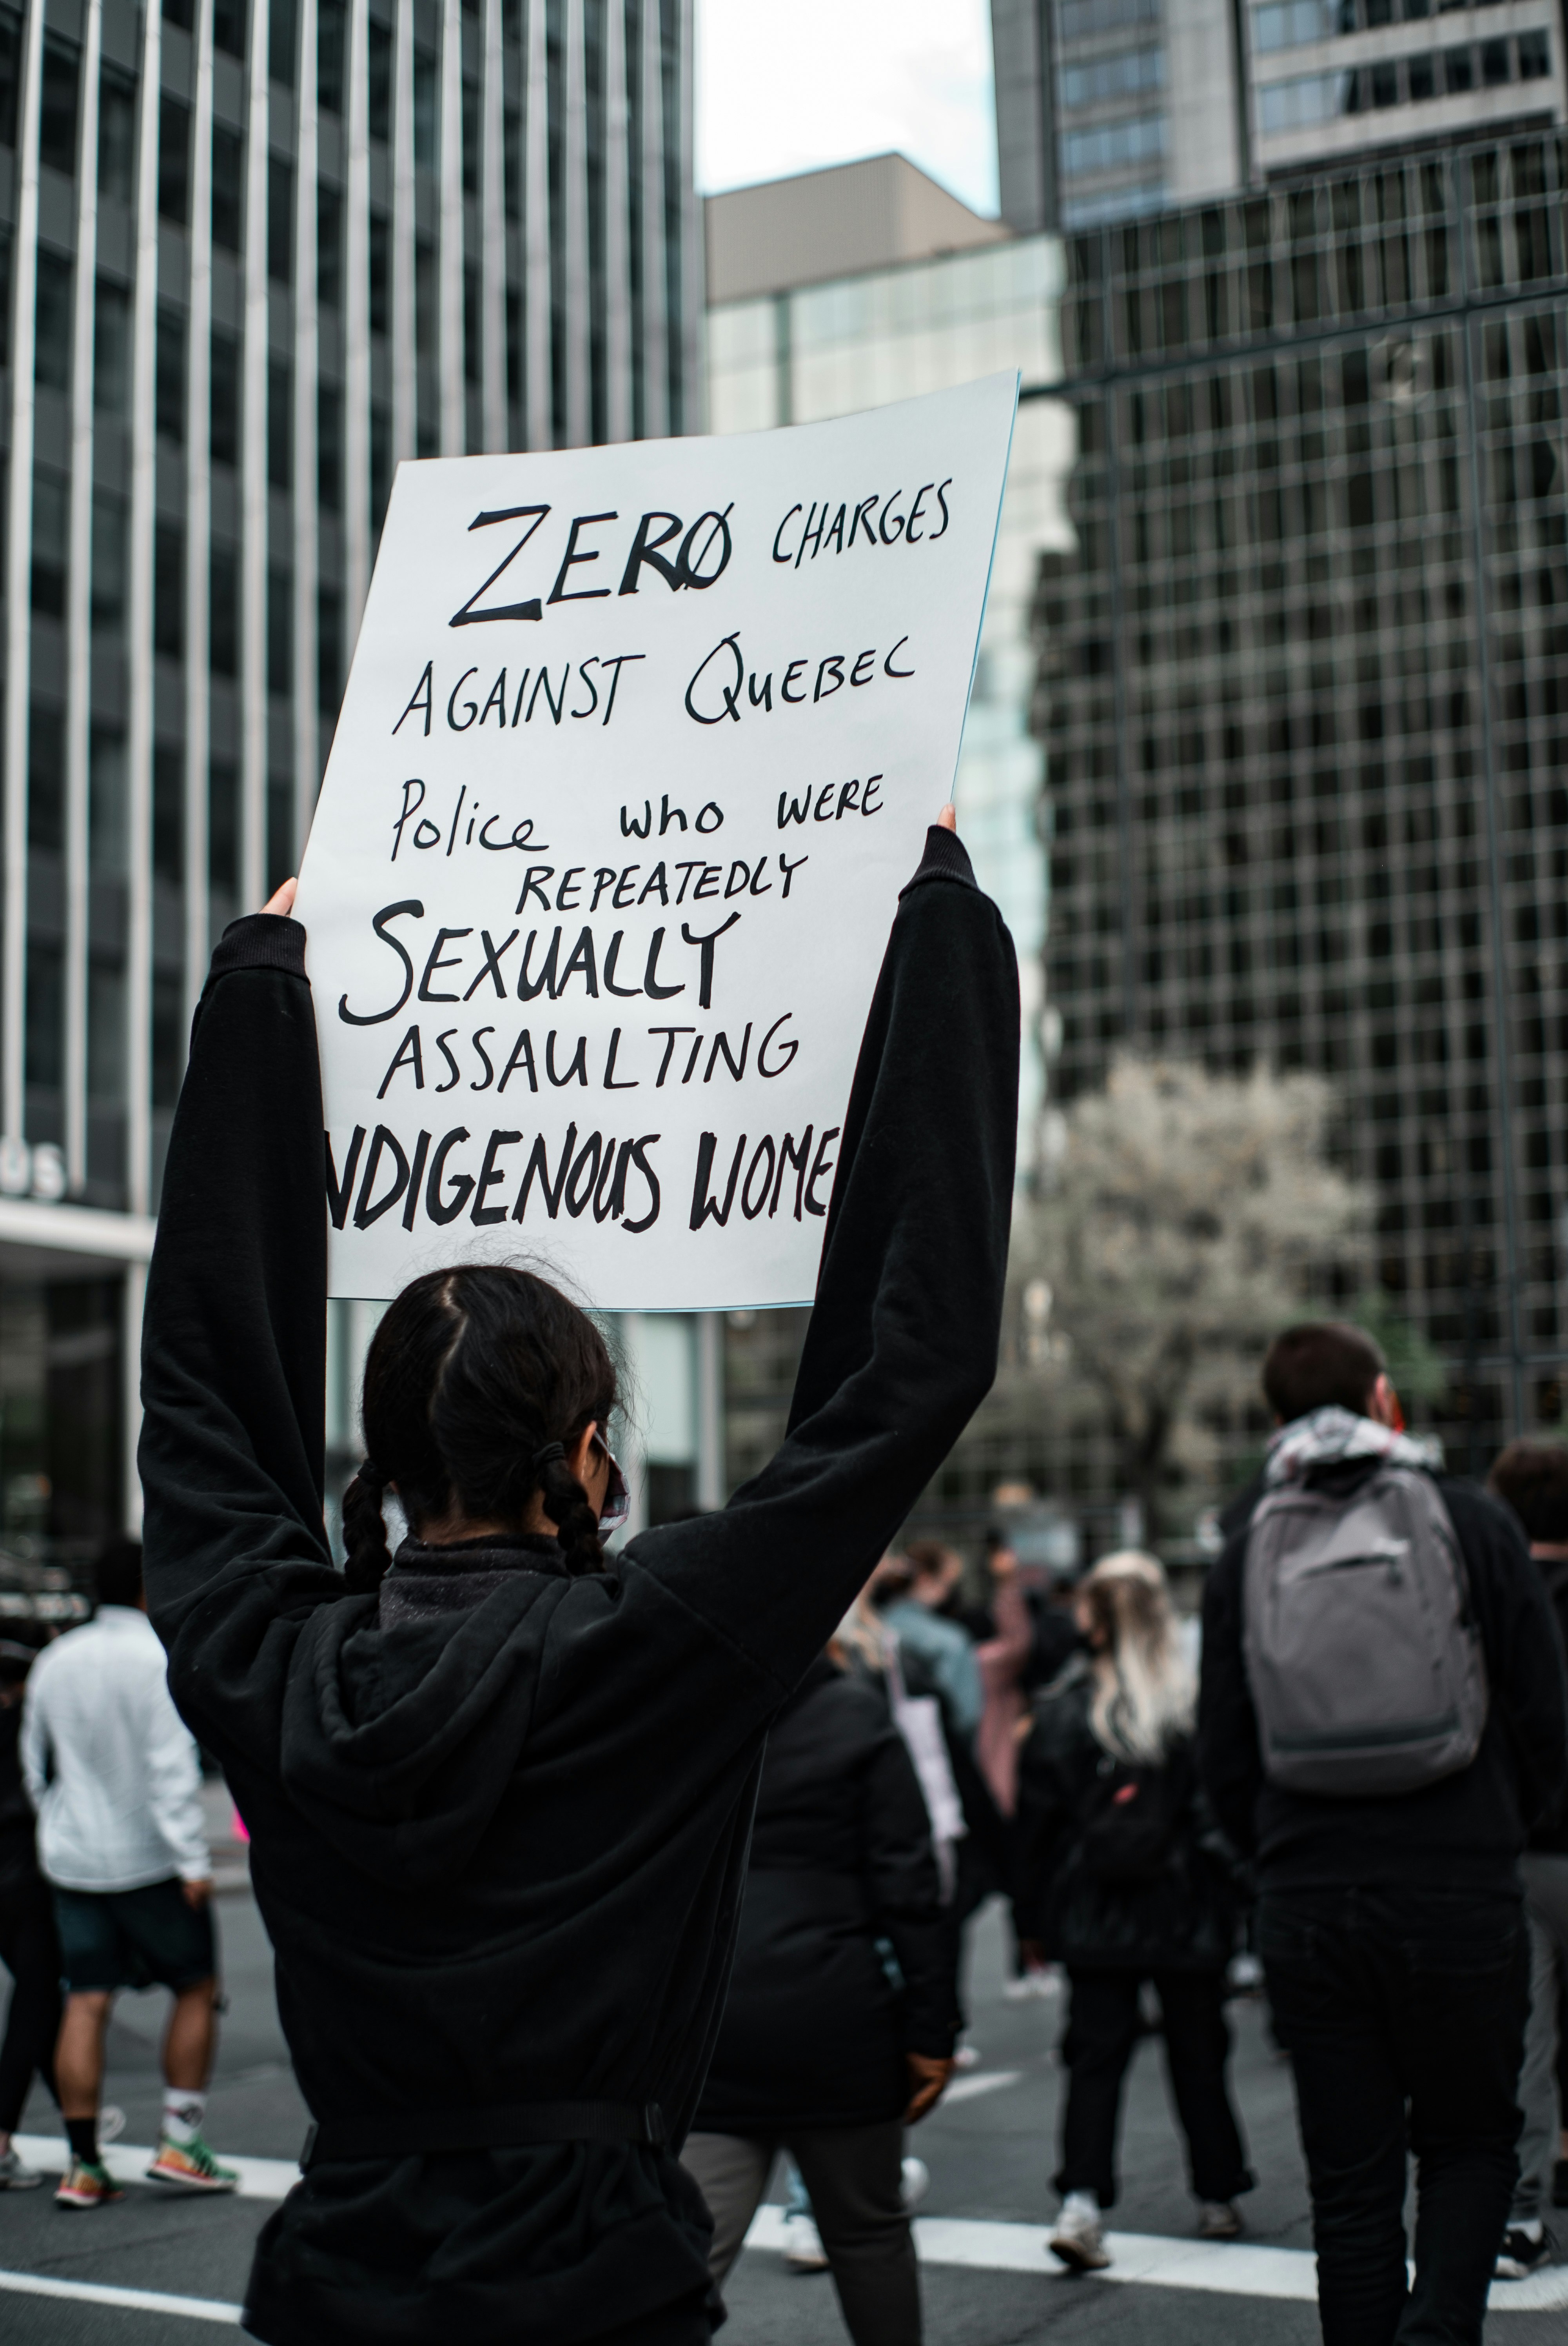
(471, 1375)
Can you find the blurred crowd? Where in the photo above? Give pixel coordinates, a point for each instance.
(1344, 1790)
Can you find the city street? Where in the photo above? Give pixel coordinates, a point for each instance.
(987, 2278)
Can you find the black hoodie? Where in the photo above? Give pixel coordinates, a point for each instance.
(815, 2031)
(499, 1850)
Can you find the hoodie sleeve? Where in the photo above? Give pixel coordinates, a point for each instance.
(902, 1347)
(1523, 1646)
(173, 1789)
(233, 1346)
(1230, 1762)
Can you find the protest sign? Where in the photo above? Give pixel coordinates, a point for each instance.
(639, 747)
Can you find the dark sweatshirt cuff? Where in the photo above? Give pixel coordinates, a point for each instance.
(261, 941)
(945, 857)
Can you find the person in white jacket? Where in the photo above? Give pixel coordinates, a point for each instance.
(116, 1779)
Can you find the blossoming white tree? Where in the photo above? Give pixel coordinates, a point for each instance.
(1186, 1220)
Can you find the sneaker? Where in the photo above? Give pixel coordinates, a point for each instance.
(803, 2250)
(915, 2182)
(1218, 2221)
(191, 2167)
(111, 2124)
(14, 2177)
(1079, 2241)
(87, 2186)
(1520, 2256)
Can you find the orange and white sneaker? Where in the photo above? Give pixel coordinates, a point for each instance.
(84, 2184)
(190, 2167)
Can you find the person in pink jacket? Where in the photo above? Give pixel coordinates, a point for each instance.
(1002, 1660)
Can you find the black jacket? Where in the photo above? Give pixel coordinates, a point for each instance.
(1550, 1832)
(1465, 1832)
(499, 1848)
(18, 1843)
(814, 2032)
(1182, 1918)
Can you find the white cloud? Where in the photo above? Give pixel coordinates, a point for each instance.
(789, 86)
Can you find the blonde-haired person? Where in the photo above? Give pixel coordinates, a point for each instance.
(1121, 1877)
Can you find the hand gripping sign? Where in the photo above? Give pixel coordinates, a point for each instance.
(639, 744)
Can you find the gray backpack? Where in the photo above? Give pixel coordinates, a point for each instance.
(1367, 1670)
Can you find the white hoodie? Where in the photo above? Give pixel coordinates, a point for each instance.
(110, 1766)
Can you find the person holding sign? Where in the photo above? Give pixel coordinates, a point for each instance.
(500, 1790)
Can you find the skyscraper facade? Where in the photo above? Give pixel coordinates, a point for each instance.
(843, 290)
(1107, 109)
(1303, 696)
(257, 252)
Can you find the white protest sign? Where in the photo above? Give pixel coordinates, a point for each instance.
(639, 747)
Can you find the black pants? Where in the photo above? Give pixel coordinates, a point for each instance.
(1388, 2001)
(853, 2175)
(30, 1952)
(1102, 2030)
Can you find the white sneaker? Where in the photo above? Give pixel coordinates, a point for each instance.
(1078, 2239)
(803, 2250)
(15, 2177)
(111, 2123)
(916, 2182)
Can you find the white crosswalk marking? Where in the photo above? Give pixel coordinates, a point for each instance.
(1229, 2268)
(1224, 2268)
(984, 2081)
(136, 2300)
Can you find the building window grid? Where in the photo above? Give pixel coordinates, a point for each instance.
(174, 128)
(1428, 1043)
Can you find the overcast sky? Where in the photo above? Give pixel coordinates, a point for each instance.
(789, 85)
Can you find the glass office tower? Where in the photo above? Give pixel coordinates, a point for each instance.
(798, 351)
(1303, 696)
(255, 253)
(1109, 108)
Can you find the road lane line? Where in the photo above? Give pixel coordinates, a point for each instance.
(1228, 2268)
(135, 2300)
(969, 2089)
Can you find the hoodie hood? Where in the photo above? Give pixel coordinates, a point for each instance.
(405, 1720)
(1331, 1437)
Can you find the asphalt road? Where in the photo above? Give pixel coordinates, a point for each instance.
(990, 2152)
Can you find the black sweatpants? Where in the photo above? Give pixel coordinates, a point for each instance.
(854, 2176)
(1102, 2030)
(31, 1953)
(1388, 2002)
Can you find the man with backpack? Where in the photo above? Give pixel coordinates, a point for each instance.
(1383, 1714)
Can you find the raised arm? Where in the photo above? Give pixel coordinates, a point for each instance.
(902, 1342)
(234, 1335)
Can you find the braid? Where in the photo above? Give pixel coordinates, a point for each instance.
(365, 1531)
(565, 1504)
